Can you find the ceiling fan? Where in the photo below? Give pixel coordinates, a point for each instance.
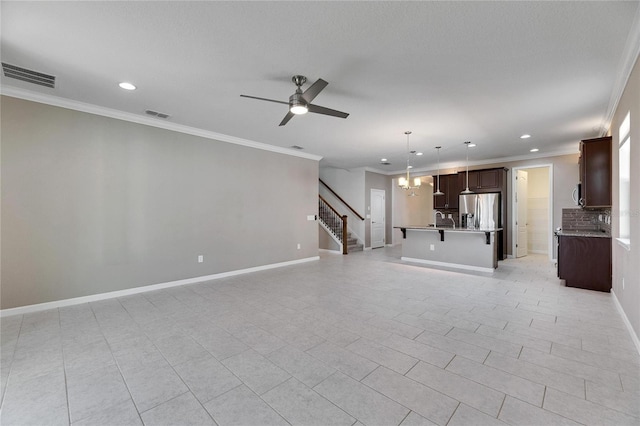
(300, 102)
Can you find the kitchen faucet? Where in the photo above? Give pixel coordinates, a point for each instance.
(452, 221)
(435, 217)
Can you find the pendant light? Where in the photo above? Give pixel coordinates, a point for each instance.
(467, 191)
(438, 192)
(405, 183)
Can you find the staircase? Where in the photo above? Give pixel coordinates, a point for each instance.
(337, 226)
(352, 244)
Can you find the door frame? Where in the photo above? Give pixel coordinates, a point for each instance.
(384, 215)
(514, 216)
(518, 203)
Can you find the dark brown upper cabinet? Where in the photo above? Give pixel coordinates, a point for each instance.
(595, 172)
(449, 185)
(489, 180)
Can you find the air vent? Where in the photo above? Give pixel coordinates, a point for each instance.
(157, 114)
(29, 76)
(296, 147)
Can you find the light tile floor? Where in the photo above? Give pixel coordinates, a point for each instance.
(357, 339)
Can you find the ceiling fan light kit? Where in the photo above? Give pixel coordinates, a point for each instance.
(298, 106)
(300, 102)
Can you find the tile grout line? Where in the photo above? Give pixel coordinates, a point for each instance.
(502, 405)
(15, 348)
(454, 413)
(331, 402)
(116, 363)
(405, 417)
(64, 368)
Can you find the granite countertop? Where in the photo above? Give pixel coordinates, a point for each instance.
(583, 233)
(446, 228)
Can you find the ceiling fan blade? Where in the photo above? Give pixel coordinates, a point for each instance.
(286, 118)
(313, 90)
(327, 111)
(265, 99)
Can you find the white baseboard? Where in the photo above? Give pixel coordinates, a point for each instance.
(632, 332)
(120, 293)
(448, 265)
(330, 251)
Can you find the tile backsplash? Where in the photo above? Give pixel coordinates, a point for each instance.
(585, 220)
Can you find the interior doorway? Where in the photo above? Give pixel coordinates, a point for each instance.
(377, 218)
(532, 207)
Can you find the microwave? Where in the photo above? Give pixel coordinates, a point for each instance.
(577, 194)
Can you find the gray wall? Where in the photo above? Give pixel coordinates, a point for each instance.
(92, 204)
(625, 261)
(326, 242)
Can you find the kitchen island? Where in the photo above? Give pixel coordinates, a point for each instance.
(471, 249)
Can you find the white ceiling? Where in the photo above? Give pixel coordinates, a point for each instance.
(448, 71)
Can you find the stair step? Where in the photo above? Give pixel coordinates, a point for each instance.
(354, 248)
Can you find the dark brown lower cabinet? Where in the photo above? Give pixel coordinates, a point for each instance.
(585, 262)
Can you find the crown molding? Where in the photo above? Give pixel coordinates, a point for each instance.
(42, 98)
(630, 55)
(452, 165)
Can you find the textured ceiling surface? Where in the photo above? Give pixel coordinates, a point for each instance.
(448, 71)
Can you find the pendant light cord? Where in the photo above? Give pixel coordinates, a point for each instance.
(438, 148)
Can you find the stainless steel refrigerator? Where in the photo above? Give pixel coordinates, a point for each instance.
(480, 211)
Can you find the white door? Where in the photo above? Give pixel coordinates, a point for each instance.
(521, 207)
(377, 218)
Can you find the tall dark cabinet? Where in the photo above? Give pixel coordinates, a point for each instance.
(449, 184)
(595, 172)
(491, 180)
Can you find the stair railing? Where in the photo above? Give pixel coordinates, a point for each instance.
(334, 221)
(358, 215)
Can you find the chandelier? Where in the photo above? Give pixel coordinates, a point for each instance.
(406, 182)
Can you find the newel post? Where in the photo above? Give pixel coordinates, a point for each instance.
(344, 235)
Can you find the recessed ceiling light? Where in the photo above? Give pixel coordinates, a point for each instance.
(127, 86)
(534, 150)
(383, 159)
(472, 145)
(409, 167)
(525, 136)
(418, 153)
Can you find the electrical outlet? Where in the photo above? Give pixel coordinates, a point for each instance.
(200, 258)
(432, 247)
(298, 246)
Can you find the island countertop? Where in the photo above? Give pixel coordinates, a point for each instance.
(446, 228)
